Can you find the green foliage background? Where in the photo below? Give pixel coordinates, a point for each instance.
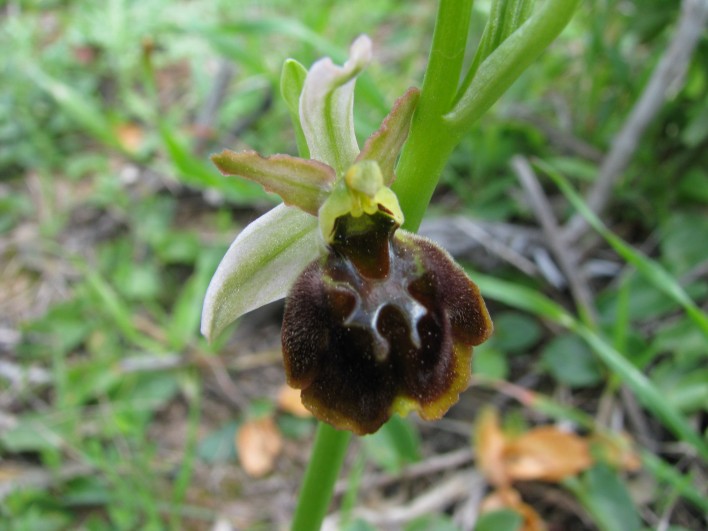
(112, 222)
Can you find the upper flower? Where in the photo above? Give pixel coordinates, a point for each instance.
(266, 258)
(377, 320)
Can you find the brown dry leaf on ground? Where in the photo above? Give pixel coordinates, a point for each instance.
(490, 442)
(508, 498)
(131, 136)
(289, 401)
(546, 454)
(259, 443)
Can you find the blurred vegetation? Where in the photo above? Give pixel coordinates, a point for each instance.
(115, 413)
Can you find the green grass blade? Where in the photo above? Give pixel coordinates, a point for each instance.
(645, 390)
(507, 61)
(118, 310)
(531, 301)
(79, 107)
(195, 171)
(650, 269)
(681, 483)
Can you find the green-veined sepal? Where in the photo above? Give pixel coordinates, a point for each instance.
(260, 266)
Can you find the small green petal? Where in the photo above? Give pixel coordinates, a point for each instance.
(292, 80)
(386, 143)
(299, 182)
(360, 192)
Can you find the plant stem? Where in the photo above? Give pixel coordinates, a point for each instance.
(318, 485)
(414, 193)
(505, 64)
(429, 143)
(442, 117)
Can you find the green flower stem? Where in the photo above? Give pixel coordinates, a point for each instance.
(440, 122)
(443, 116)
(429, 142)
(508, 61)
(328, 454)
(440, 84)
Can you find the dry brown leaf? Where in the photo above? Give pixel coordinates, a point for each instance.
(289, 401)
(490, 442)
(259, 443)
(546, 453)
(508, 498)
(130, 136)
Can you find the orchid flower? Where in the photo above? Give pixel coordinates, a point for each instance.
(377, 320)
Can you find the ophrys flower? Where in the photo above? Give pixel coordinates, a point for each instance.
(377, 319)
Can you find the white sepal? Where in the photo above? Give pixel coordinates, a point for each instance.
(326, 107)
(260, 266)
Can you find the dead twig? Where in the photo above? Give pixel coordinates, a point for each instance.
(431, 465)
(20, 376)
(638, 419)
(204, 124)
(440, 495)
(567, 259)
(496, 247)
(14, 479)
(559, 137)
(668, 74)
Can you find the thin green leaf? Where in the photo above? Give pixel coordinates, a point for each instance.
(650, 269)
(684, 485)
(80, 108)
(517, 13)
(492, 36)
(385, 144)
(260, 266)
(303, 183)
(116, 308)
(506, 63)
(527, 299)
(603, 494)
(522, 298)
(196, 172)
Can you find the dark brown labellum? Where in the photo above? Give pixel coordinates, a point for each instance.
(384, 322)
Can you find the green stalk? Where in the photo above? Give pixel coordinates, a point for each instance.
(429, 142)
(328, 455)
(439, 88)
(505, 64)
(442, 117)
